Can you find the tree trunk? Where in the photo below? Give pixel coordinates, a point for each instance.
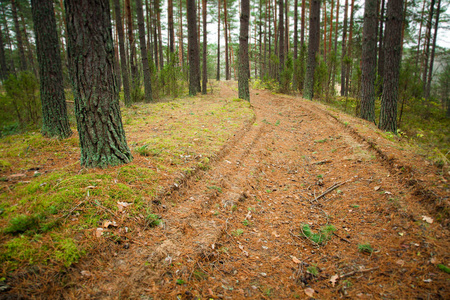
(344, 49)
(433, 49)
(313, 47)
(218, 42)
(171, 30)
(381, 46)
(281, 34)
(227, 61)
(302, 27)
(295, 80)
(427, 48)
(260, 41)
(181, 50)
(55, 122)
(8, 41)
(333, 75)
(325, 31)
(123, 57)
(27, 43)
(145, 66)
(3, 66)
(389, 99)
(349, 51)
(204, 73)
(420, 34)
(131, 44)
(161, 51)
(194, 57)
(91, 57)
(23, 61)
(368, 61)
(243, 51)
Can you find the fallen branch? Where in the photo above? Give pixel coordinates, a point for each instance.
(330, 189)
(345, 240)
(322, 162)
(358, 271)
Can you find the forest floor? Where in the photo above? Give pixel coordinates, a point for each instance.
(304, 201)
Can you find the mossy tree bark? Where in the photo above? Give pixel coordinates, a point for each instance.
(369, 60)
(243, 51)
(55, 122)
(123, 55)
(313, 48)
(392, 57)
(194, 55)
(91, 62)
(144, 57)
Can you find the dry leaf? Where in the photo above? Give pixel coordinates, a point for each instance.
(433, 260)
(400, 262)
(333, 279)
(106, 224)
(377, 188)
(99, 232)
(427, 219)
(295, 260)
(122, 205)
(388, 193)
(86, 273)
(309, 292)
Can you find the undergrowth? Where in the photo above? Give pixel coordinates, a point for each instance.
(320, 237)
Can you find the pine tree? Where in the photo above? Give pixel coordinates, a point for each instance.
(55, 122)
(91, 61)
(23, 61)
(144, 57)
(369, 59)
(194, 57)
(243, 51)
(204, 73)
(392, 56)
(313, 48)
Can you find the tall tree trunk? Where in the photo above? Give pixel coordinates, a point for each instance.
(433, 49)
(295, 80)
(265, 41)
(313, 47)
(27, 43)
(380, 67)
(181, 47)
(3, 66)
(227, 61)
(171, 30)
(349, 51)
(389, 99)
(132, 47)
(260, 41)
(8, 41)
(155, 35)
(286, 28)
(194, 57)
(218, 42)
(331, 27)
(55, 122)
(368, 61)
(161, 51)
(23, 61)
(344, 50)
(325, 31)
(123, 57)
(420, 34)
(427, 47)
(149, 30)
(99, 121)
(333, 74)
(302, 27)
(145, 66)
(243, 51)
(204, 73)
(281, 38)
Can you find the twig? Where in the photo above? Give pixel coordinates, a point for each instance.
(330, 189)
(73, 209)
(358, 271)
(345, 240)
(322, 162)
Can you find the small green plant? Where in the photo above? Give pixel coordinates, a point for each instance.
(444, 268)
(246, 222)
(347, 283)
(354, 206)
(321, 141)
(213, 187)
(237, 232)
(320, 176)
(199, 275)
(318, 238)
(313, 270)
(277, 123)
(180, 281)
(365, 248)
(153, 220)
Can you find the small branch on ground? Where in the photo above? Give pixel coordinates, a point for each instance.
(330, 189)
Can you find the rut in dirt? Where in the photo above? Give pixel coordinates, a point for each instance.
(234, 232)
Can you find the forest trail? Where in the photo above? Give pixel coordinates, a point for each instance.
(235, 232)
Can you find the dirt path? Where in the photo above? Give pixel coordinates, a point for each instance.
(234, 231)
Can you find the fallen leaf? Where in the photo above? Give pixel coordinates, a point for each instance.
(309, 292)
(377, 188)
(99, 232)
(427, 219)
(86, 273)
(106, 224)
(427, 280)
(388, 193)
(295, 260)
(400, 262)
(433, 260)
(333, 279)
(122, 205)
(400, 233)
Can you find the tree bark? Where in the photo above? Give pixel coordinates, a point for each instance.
(171, 29)
(313, 48)
(433, 49)
(389, 99)
(144, 57)
(427, 48)
(55, 122)
(91, 59)
(349, 51)
(131, 43)
(295, 79)
(218, 42)
(204, 73)
(123, 56)
(23, 61)
(281, 34)
(227, 61)
(194, 57)
(368, 61)
(381, 45)
(243, 51)
(344, 49)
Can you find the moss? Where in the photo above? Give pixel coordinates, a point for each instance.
(22, 223)
(68, 252)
